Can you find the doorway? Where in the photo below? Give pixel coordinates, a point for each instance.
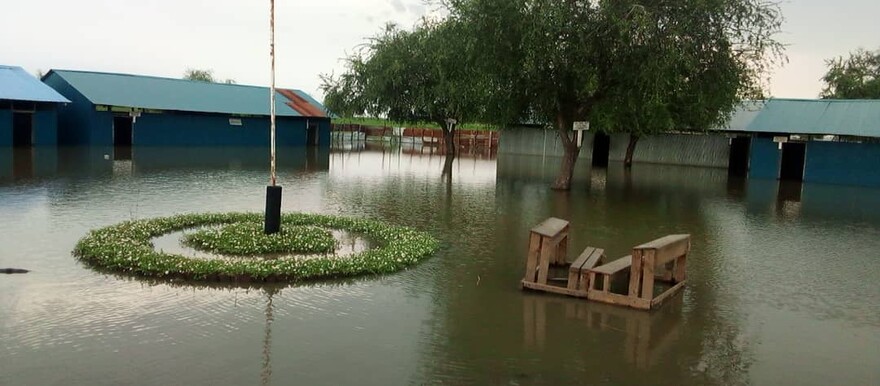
(122, 138)
(601, 149)
(312, 134)
(22, 129)
(793, 159)
(738, 165)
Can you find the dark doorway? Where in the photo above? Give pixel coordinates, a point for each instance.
(122, 133)
(312, 134)
(601, 149)
(738, 165)
(22, 129)
(792, 166)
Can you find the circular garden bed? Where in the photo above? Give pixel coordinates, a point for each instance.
(127, 248)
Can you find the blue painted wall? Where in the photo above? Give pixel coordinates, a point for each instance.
(5, 127)
(185, 129)
(46, 126)
(764, 159)
(75, 119)
(843, 163)
(80, 124)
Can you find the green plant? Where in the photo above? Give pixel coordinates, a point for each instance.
(126, 248)
(248, 239)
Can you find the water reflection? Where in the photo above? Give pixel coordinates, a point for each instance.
(646, 339)
(776, 294)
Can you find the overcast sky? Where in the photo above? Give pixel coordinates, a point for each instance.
(165, 37)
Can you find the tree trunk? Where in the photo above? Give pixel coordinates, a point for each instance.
(630, 149)
(447, 167)
(449, 139)
(569, 158)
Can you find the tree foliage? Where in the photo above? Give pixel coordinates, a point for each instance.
(626, 66)
(855, 77)
(199, 75)
(630, 66)
(414, 76)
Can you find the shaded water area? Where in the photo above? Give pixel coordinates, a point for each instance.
(783, 280)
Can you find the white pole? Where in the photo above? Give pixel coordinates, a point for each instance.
(272, 89)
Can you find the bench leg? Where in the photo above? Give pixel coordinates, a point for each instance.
(635, 274)
(532, 259)
(648, 276)
(547, 249)
(680, 270)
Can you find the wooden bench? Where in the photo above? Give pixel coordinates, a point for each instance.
(548, 244)
(653, 257)
(607, 271)
(578, 277)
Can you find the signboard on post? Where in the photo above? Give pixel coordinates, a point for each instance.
(581, 127)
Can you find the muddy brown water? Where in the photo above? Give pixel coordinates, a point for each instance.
(784, 280)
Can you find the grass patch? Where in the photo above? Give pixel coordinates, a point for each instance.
(125, 248)
(249, 239)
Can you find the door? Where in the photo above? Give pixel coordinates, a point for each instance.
(22, 129)
(601, 149)
(312, 134)
(791, 168)
(122, 138)
(738, 165)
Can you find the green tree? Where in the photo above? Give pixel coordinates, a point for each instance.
(855, 77)
(410, 76)
(626, 66)
(199, 75)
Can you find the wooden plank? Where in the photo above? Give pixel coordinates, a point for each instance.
(532, 259)
(553, 289)
(547, 250)
(578, 263)
(621, 300)
(648, 275)
(680, 270)
(635, 273)
(614, 266)
(595, 259)
(575, 277)
(668, 248)
(562, 249)
(663, 241)
(550, 227)
(656, 302)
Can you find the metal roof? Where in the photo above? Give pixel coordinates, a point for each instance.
(150, 92)
(743, 116)
(16, 84)
(860, 118)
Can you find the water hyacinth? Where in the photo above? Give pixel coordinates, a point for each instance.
(248, 239)
(126, 248)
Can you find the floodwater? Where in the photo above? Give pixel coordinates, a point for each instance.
(784, 281)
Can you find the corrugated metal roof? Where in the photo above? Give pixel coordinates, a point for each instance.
(743, 116)
(149, 92)
(16, 84)
(824, 116)
(860, 118)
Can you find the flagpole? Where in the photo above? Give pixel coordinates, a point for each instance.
(273, 191)
(272, 88)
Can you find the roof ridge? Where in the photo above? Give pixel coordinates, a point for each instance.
(163, 78)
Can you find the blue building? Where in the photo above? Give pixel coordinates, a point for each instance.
(27, 110)
(821, 141)
(135, 111)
